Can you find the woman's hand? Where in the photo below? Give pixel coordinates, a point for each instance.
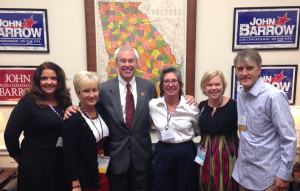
(76, 189)
(190, 100)
(76, 185)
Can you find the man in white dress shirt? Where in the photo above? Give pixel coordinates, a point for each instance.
(268, 138)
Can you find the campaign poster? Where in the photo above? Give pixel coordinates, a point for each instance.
(23, 30)
(14, 80)
(266, 28)
(283, 77)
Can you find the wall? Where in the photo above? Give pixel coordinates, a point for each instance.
(66, 27)
(214, 40)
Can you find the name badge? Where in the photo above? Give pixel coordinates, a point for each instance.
(200, 157)
(167, 135)
(242, 122)
(59, 142)
(103, 162)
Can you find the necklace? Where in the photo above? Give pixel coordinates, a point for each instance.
(86, 113)
(215, 108)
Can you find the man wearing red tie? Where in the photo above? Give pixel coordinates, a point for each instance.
(124, 105)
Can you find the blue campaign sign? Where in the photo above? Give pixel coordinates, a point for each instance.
(266, 28)
(283, 77)
(23, 30)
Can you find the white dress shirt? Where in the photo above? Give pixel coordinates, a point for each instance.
(184, 120)
(123, 91)
(268, 146)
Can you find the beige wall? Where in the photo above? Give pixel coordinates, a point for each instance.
(214, 39)
(66, 27)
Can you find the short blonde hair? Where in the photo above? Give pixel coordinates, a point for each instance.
(207, 78)
(83, 79)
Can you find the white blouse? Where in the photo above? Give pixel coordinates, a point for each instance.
(184, 120)
(98, 127)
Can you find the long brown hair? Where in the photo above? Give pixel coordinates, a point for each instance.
(62, 93)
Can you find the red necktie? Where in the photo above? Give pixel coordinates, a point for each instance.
(129, 106)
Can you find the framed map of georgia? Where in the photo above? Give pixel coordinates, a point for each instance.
(163, 32)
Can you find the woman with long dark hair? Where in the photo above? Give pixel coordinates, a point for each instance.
(39, 115)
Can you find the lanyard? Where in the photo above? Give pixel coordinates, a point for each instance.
(54, 110)
(202, 110)
(98, 116)
(169, 115)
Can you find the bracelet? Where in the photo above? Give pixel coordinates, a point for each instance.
(76, 186)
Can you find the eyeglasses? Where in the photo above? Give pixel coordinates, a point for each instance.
(167, 82)
(124, 61)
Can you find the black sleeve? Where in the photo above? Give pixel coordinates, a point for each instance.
(201, 105)
(16, 124)
(71, 140)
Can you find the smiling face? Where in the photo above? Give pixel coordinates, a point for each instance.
(248, 74)
(48, 82)
(126, 64)
(170, 85)
(89, 95)
(215, 88)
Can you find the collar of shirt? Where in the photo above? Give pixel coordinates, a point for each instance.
(255, 89)
(123, 83)
(184, 121)
(182, 103)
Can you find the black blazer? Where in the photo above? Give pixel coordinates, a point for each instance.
(127, 146)
(80, 152)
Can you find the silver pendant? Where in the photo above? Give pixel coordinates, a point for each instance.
(167, 127)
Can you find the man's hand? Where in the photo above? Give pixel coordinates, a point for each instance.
(281, 185)
(190, 100)
(70, 110)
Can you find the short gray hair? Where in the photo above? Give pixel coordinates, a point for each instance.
(123, 48)
(246, 56)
